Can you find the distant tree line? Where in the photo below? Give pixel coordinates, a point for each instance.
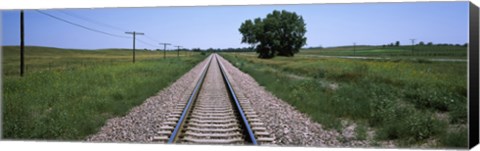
(252, 49)
(396, 44)
(243, 49)
(315, 47)
(421, 43)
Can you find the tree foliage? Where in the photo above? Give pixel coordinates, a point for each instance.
(280, 33)
(421, 43)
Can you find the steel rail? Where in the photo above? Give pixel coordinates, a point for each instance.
(237, 103)
(193, 97)
(250, 137)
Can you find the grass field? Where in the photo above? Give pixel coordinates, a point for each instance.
(413, 103)
(46, 58)
(453, 52)
(69, 94)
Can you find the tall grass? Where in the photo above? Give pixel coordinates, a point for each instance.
(46, 58)
(71, 104)
(401, 100)
(458, 52)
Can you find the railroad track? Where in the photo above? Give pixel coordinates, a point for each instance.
(213, 114)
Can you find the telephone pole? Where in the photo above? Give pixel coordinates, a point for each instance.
(178, 51)
(413, 45)
(134, 34)
(164, 48)
(22, 43)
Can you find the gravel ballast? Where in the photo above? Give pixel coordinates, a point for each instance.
(143, 121)
(287, 126)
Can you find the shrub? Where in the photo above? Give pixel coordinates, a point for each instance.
(458, 113)
(361, 132)
(431, 98)
(420, 126)
(457, 138)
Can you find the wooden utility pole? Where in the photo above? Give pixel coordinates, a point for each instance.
(178, 51)
(413, 45)
(134, 34)
(22, 44)
(164, 48)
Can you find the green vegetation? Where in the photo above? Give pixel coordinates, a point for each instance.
(361, 132)
(55, 59)
(456, 52)
(56, 101)
(457, 138)
(280, 33)
(412, 102)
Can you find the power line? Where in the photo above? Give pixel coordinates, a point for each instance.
(109, 26)
(152, 39)
(98, 23)
(146, 43)
(93, 21)
(81, 26)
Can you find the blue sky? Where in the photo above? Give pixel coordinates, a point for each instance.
(217, 26)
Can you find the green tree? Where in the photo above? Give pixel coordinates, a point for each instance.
(280, 33)
(397, 43)
(421, 43)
